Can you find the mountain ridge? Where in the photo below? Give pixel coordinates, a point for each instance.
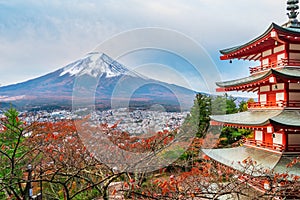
(56, 88)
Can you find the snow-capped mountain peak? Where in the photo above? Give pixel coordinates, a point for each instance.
(114, 81)
(96, 64)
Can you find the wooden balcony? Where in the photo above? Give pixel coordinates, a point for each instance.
(265, 145)
(277, 64)
(295, 148)
(274, 105)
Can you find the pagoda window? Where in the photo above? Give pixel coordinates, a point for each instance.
(278, 138)
(272, 79)
(280, 57)
(267, 53)
(263, 99)
(294, 56)
(265, 62)
(294, 86)
(278, 86)
(265, 88)
(294, 46)
(293, 139)
(279, 49)
(270, 129)
(294, 96)
(258, 135)
(279, 97)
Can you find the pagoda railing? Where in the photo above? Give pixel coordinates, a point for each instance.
(281, 63)
(293, 148)
(293, 104)
(274, 104)
(268, 104)
(265, 145)
(291, 62)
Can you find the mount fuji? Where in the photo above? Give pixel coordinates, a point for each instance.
(114, 82)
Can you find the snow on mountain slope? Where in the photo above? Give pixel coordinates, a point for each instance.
(96, 64)
(115, 81)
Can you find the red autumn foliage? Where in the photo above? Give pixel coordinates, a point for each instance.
(61, 158)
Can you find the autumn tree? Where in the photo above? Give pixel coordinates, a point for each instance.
(211, 180)
(66, 169)
(61, 166)
(64, 165)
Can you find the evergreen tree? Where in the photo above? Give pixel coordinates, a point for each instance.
(198, 120)
(12, 156)
(224, 105)
(218, 105)
(231, 107)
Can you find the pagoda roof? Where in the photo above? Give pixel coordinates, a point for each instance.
(252, 49)
(287, 118)
(287, 73)
(261, 118)
(233, 157)
(252, 118)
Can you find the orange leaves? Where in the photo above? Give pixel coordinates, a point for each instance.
(4, 147)
(136, 144)
(296, 178)
(2, 127)
(114, 192)
(205, 157)
(59, 143)
(126, 185)
(115, 125)
(195, 170)
(61, 158)
(131, 180)
(167, 187)
(293, 162)
(164, 186)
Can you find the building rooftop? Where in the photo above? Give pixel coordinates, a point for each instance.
(234, 157)
(265, 39)
(287, 118)
(261, 117)
(287, 73)
(255, 118)
(243, 81)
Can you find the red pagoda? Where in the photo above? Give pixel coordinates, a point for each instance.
(275, 117)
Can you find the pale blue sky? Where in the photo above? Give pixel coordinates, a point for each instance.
(40, 36)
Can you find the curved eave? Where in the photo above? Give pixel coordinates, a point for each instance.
(287, 118)
(228, 53)
(243, 81)
(236, 48)
(248, 118)
(286, 73)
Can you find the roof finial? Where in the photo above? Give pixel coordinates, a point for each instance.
(293, 9)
